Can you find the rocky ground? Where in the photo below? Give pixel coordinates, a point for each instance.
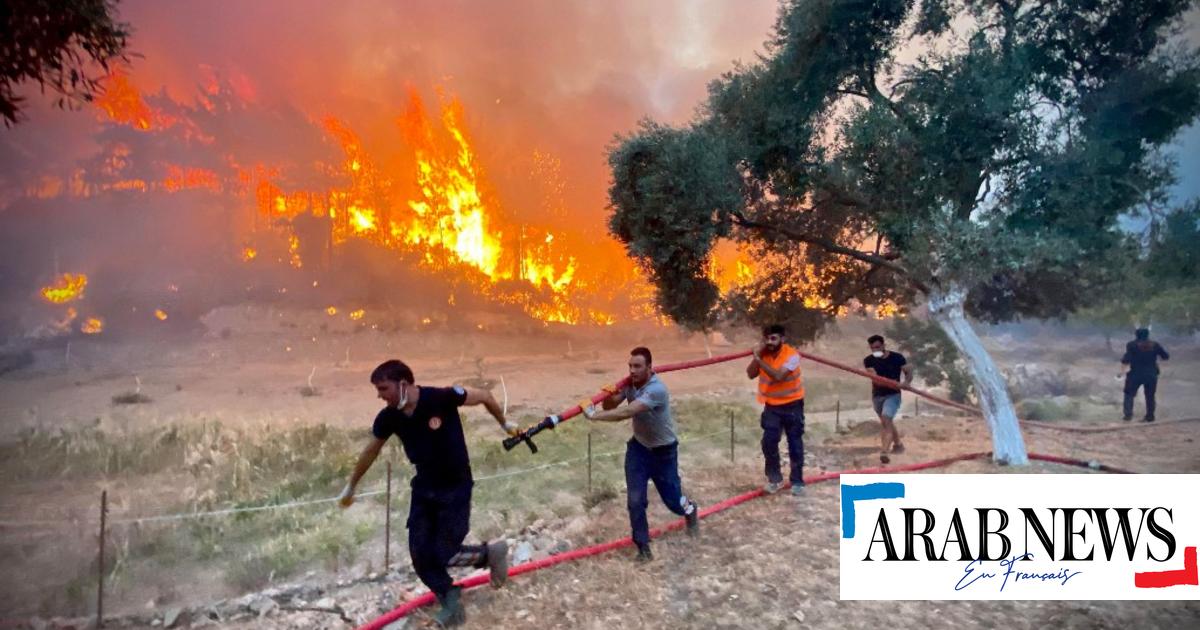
(769, 563)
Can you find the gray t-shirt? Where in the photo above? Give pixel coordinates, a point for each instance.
(654, 427)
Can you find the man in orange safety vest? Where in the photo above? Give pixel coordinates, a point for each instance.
(776, 365)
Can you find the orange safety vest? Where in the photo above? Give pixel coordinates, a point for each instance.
(773, 392)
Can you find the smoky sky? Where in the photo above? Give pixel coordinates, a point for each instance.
(559, 77)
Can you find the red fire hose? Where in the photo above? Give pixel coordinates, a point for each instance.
(549, 422)
(575, 554)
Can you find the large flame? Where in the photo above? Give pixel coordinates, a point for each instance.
(449, 213)
(730, 267)
(449, 219)
(428, 196)
(122, 102)
(68, 288)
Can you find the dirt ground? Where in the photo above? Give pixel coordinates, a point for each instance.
(773, 563)
(781, 571)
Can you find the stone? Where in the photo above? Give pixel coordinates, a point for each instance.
(798, 616)
(399, 624)
(263, 606)
(171, 617)
(523, 553)
(326, 602)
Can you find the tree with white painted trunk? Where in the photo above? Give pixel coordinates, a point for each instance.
(972, 155)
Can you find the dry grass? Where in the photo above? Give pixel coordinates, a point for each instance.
(213, 466)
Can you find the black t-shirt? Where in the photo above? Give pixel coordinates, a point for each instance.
(887, 366)
(1142, 357)
(432, 437)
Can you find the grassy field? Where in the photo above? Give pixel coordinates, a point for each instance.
(210, 466)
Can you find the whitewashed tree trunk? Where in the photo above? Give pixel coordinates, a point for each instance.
(1008, 446)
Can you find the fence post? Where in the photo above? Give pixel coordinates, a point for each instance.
(837, 417)
(589, 446)
(387, 524)
(917, 400)
(731, 436)
(100, 583)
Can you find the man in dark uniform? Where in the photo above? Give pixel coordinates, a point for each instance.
(1141, 365)
(427, 422)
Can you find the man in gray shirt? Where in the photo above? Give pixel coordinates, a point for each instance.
(653, 452)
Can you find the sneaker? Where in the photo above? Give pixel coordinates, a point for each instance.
(452, 613)
(1148, 419)
(643, 553)
(884, 459)
(497, 562)
(772, 487)
(1127, 418)
(798, 490)
(693, 520)
(897, 448)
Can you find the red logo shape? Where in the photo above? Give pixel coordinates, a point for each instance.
(435, 423)
(1188, 575)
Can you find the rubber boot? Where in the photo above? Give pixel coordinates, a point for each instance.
(452, 613)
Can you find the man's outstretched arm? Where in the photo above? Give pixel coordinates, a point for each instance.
(365, 459)
(484, 397)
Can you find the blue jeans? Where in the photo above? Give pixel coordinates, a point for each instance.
(661, 465)
(776, 422)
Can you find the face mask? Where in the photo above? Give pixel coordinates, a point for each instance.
(878, 354)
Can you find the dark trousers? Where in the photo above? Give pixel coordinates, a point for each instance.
(1149, 383)
(438, 522)
(661, 465)
(776, 422)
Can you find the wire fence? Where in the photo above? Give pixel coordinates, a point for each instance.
(132, 550)
(377, 491)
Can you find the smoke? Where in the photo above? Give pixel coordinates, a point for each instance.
(228, 87)
(560, 77)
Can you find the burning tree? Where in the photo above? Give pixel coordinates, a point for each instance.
(972, 154)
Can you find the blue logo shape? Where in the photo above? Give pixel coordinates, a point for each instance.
(850, 494)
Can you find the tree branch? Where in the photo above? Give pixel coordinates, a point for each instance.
(832, 247)
(987, 187)
(858, 283)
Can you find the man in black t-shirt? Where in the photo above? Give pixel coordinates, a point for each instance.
(427, 422)
(884, 398)
(1141, 361)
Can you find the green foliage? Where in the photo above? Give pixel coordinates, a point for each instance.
(1174, 257)
(1162, 287)
(681, 178)
(998, 161)
(58, 44)
(932, 355)
(1048, 409)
